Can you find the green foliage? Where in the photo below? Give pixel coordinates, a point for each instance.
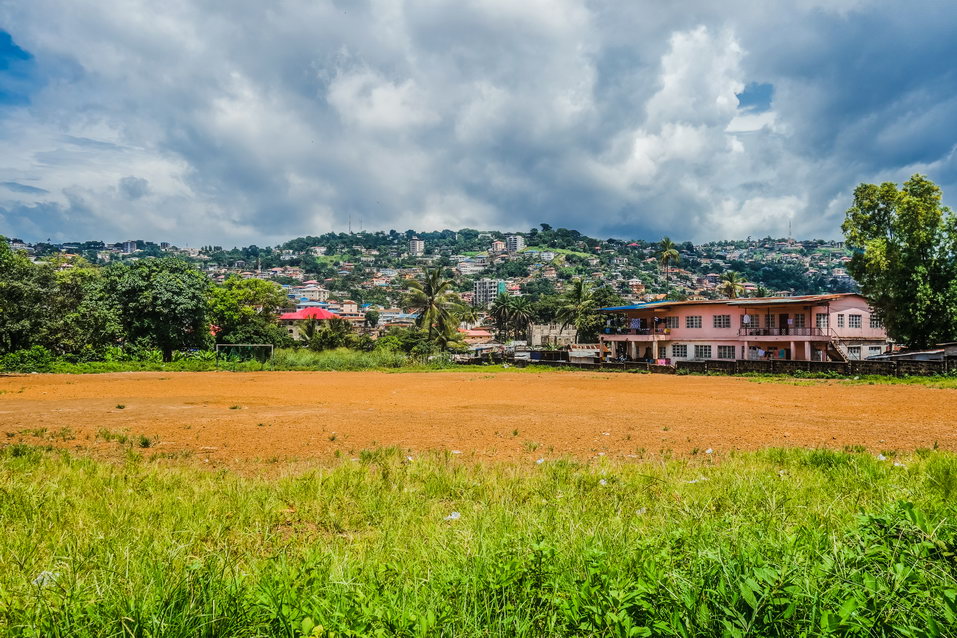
(35, 359)
(329, 334)
(579, 308)
(731, 285)
(904, 244)
(161, 302)
(774, 543)
(512, 315)
(245, 310)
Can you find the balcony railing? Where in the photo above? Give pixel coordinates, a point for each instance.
(636, 331)
(782, 332)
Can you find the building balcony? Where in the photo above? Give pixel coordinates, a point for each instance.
(789, 332)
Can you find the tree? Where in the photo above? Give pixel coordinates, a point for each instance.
(433, 299)
(501, 313)
(579, 307)
(371, 319)
(904, 256)
(161, 303)
(244, 311)
(329, 334)
(521, 316)
(668, 255)
(25, 291)
(731, 285)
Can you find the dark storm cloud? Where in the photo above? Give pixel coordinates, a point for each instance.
(257, 122)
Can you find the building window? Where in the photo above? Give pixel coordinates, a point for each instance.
(798, 321)
(770, 321)
(702, 352)
(679, 351)
(693, 321)
(821, 320)
(840, 321)
(874, 350)
(854, 352)
(876, 322)
(671, 322)
(722, 321)
(662, 352)
(726, 352)
(750, 321)
(853, 321)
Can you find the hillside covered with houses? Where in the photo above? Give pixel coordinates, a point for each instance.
(369, 269)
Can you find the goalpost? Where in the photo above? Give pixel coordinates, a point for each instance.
(261, 352)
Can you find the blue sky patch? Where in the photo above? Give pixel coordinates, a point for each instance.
(756, 97)
(17, 72)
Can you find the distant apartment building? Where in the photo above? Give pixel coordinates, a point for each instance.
(498, 246)
(485, 291)
(550, 334)
(128, 246)
(416, 247)
(835, 327)
(514, 243)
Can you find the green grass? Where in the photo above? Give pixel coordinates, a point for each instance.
(937, 381)
(775, 543)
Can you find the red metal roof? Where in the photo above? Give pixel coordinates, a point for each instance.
(308, 313)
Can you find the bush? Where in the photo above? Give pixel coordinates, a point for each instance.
(35, 359)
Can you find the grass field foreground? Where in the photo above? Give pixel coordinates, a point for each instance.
(771, 543)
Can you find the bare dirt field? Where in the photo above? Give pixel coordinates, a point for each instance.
(236, 419)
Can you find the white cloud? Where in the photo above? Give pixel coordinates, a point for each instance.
(254, 122)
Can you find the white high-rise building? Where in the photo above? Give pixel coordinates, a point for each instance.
(416, 247)
(514, 243)
(485, 291)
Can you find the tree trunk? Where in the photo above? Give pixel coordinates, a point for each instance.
(167, 354)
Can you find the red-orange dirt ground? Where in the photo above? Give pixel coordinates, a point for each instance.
(236, 419)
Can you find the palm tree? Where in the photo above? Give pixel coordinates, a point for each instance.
(501, 313)
(762, 291)
(431, 298)
(577, 303)
(521, 315)
(667, 255)
(732, 285)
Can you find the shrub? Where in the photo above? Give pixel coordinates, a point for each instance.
(35, 359)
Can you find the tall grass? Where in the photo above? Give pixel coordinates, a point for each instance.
(776, 543)
(283, 359)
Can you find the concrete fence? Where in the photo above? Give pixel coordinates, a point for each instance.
(724, 366)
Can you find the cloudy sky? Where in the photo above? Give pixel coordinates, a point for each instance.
(203, 121)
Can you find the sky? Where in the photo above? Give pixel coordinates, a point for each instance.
(249, 122)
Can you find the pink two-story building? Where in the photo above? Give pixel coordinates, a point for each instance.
(834, 327)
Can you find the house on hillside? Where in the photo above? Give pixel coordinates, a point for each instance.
(292, 321)
(837, 327)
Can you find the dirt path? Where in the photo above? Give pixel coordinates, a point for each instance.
(231, 419)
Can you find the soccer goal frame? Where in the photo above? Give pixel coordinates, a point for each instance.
(261, 352)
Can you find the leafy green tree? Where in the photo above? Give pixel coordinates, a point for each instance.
(84, 322)
(329, 334)
(371, 319)
(26, 296)
(732, 285)
(244, 311)
(161, 303)
(904, 256)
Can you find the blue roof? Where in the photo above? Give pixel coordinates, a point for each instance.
(639, 306)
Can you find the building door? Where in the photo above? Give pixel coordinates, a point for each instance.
(783, 323)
